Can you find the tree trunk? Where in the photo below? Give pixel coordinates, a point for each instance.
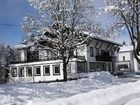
(64, 69)
(136, 56)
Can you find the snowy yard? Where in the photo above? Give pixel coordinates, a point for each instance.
(98, 88)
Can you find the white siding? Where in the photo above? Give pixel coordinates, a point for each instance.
(127, 56)
(33, 78)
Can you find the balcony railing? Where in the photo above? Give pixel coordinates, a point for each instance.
(105, 57)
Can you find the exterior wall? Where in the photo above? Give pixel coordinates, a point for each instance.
(127, 56)
(33, 78)
(129, 60)
(107, 65)
(82, 63)
(81, 51)
(23, 54)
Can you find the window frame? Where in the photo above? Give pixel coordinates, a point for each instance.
(123, 58)
(14, 71)
(97, 51)
(27, 73)
(92, 66)
(54, 69)
(35, 68)
(44, 73)
(21, 72)
(91, 51)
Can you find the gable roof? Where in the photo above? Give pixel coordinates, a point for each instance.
(126, 48)
(101, 38)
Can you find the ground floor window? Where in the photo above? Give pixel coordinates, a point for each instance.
(21, 71)
(29, 71)
(123, 66)
(56, 69)
(46, 70)
(37, 71)
(98, 66)
(81, 66)
(92, 66)
(14, 72)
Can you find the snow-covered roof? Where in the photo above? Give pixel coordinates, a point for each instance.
(100, 37)
(26, 44)
(23, 46)
(125, 48)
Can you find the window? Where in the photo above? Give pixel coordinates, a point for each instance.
(123, 66)
(123, 58)
(14, 72)
(91, 52)
(92, 66)
(46, 70)
(97, 51)
(37, 71)
(21, 71)
(29, 71)
(56, 70)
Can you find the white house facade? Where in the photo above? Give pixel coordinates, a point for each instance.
(96, 55)
(126, 61)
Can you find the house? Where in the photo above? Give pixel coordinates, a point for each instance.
(97, 54)
(126, 61)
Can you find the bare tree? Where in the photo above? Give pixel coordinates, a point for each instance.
(58, 26)
(127, 14)
(7, 55)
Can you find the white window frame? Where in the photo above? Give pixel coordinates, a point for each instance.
(44, 73)
(14, 71)
(35, 68)
(54, 73)
(21, 72)
(27, 74)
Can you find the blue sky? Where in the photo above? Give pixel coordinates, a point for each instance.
(13, 11)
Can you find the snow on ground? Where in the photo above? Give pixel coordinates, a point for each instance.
(116, 95)
(39, 93)
(134, 102)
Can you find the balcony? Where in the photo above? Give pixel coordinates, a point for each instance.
(105, 57)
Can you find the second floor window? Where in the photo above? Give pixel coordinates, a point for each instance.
(123, 58)
(97, 51)
(91, 52)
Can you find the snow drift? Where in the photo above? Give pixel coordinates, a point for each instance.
(41, 93)
(96, 97)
